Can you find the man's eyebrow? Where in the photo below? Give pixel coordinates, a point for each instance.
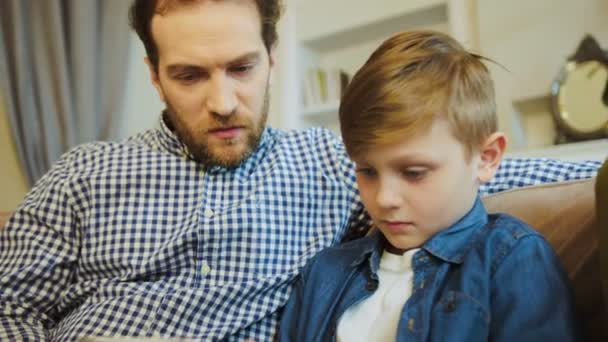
(182, 67)
(249, 56)
(174, 68)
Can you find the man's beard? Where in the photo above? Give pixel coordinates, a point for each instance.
(200, 150)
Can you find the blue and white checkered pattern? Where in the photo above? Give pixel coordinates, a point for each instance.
(135, 239)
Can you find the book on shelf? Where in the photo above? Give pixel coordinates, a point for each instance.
(324, 85)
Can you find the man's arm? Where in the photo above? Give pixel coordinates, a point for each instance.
(520, 172)
(38, 247)
(331, 149)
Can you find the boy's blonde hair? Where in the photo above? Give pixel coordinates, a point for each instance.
(410, 80)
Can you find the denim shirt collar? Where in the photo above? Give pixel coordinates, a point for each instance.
(452, 244)
(449, 245)
(371, 249)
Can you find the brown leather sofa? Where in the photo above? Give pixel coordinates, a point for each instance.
(567, 215)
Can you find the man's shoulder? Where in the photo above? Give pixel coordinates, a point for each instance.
(314, 147)
(314, 137)
(99, 154)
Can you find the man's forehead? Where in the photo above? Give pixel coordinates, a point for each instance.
(219, 30)
(165, 6)
(207, 15)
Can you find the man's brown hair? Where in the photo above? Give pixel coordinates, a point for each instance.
(409, 81)
(142, 11)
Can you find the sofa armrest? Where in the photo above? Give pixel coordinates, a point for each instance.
(4, 216)
(601, 204)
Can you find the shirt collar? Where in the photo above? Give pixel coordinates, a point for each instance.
(449, 245)
(171, 143)
(371, 249)
(452, 243)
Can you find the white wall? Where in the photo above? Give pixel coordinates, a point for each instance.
(141, 106)
(532, 39)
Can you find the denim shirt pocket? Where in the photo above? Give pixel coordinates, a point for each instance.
(458, 316)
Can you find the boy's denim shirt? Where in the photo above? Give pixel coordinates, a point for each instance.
(485, 278)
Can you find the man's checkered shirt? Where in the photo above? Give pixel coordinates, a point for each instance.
(135, 238)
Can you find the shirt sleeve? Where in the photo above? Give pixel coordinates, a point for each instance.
(38, 247)
(359, 221)
(519, 172)
(531, 296)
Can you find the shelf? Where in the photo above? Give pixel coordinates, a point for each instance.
(327, 112)
(578, 151)
(325, 25)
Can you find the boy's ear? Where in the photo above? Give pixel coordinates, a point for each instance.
(490, 155)
(154, 78)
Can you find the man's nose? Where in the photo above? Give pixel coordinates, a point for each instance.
(221, 97)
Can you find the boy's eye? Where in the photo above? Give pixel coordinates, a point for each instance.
(414, 174)
(366, 171)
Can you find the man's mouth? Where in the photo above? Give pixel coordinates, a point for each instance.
(226, 132)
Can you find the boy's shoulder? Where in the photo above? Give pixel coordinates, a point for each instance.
(505, 234)
(509, 229)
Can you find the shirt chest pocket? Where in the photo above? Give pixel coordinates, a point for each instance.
(272, 230)
(459, 317)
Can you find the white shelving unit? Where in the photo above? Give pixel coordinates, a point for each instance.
(342, 34)
(578, 151)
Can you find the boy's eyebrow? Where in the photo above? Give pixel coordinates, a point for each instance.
(412, 157)
(246, 57)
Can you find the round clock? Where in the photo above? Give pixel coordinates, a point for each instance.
(580, 100)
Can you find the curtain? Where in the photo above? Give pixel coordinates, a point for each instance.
(63, 74)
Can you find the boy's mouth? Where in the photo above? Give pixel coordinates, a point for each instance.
(397, 226)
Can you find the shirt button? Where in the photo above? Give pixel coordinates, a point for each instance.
(206, 269)
(371, 285)
(208, 213)
(410, 324)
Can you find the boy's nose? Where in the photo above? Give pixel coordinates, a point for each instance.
(221, 97)
(388, 196)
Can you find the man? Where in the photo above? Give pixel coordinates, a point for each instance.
(196, 228)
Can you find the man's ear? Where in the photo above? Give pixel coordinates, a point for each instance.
(155, 79)
(271, 55)
(490, 155)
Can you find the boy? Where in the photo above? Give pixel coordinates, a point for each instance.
(419, 121)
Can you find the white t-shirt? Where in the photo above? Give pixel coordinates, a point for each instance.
(377, 317)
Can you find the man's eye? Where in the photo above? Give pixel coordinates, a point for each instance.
(187, 77)
(241, 69)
